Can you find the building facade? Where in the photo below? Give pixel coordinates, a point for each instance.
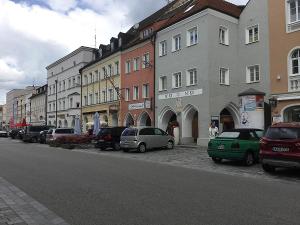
(284, 22)
(38, 106)
(101, 85)
(205, 56)
(64, 87)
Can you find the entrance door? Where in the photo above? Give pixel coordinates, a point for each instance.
(195, 130)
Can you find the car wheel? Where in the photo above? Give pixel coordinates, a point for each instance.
(268, 168)
(170, 145)
(216, 159)
(249, 159)
(142, 148)
(117, 146)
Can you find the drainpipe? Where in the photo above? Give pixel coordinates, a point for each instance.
(153, 39)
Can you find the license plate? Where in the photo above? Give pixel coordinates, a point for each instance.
(221, 147)
(280, 149)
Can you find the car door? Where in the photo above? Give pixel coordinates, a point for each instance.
(160, 138)
(148, 137)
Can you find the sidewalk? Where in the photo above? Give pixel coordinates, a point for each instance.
(17, 208)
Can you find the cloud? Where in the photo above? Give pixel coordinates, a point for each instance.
(63, 6)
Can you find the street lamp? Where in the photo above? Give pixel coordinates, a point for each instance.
(56, 102)
(273, 102)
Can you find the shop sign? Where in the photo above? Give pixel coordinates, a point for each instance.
(181, 94)
(141, 105)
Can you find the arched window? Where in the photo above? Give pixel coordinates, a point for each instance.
(295, 62)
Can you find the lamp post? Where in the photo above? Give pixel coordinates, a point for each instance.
(56, 103)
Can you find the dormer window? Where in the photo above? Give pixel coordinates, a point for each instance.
(100, 52)
(120, 42)
(112, 46)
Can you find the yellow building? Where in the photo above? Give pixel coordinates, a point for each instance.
(100, 87)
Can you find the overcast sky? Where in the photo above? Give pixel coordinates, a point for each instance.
(35, 33)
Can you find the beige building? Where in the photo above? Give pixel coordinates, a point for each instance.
(38, 106)
(284, 29)
(100, 87)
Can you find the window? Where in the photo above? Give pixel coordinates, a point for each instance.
(96, 75)
(176, 43)
(74, 63)
(163, 48)
(294, 11)
(49, 107)
(135, 93)
(295, 64)
(191, 77)
(64, 85)
(127, 94)
(91, 78)
(103, 96)
(59, 87)
(78, 80)
(50, 90)
(192, 37)
(116, 68)
(69, 83)
(136, 63)
(71, 103)
(253, 74)
(110, 72)
(85, 79)
(177, 80)
(252, 34)
(74, 81)
(145, 90)
(117, 90)
(127, 66)
(64, 105)
(96, 98)
(104, 73)
(90, 99)
(85, 100)
(146, 60)
(224, 76)
(163, 83)
(111, 95)
(223, 36)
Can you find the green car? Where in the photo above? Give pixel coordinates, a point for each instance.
(237, 144)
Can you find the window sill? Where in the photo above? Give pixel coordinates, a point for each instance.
(250, 43)
(176, 50)
(223, 44)
(162, 55)
(191, 45)
(253, 82)
(191, 85)
(162, 90)
(176, 87)
(225, 85)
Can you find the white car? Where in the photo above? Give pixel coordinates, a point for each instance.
(3, 133)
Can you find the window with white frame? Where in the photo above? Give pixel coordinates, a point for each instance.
(146, 60)
(295, 62)
(145, 90)
(223, 36)
(91, 78)
(135, 93)
(96, 76)
(163, 48)
(64, 85)
(224, 76)
(176, 43)
(116, 68)
(50, 107)
(110, 70)
(127, 66)
(85, 100)
(85, 79)
(96, 98)
(117, 93)
(192, 36)
(294, 11)
(111, 95)
(127, 94)
(253, 74)
(78, 80)
(136, 64)
(252, 34)
(163, 83)
(177, 80)
(191, 77)
(71, 103)
(103, 96)
(91, 99)
(64, 104)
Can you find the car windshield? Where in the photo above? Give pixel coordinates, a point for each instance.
(129, 132)
(228, 134)
(282, 133)
(64, 131)
(104, 131)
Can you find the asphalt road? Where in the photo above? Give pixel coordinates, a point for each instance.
(91, 189)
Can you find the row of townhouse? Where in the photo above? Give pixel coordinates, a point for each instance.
(192, 62)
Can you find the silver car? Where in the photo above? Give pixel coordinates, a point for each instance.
(53, 134)
(143, 138)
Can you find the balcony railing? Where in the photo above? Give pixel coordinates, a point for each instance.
(294, 83)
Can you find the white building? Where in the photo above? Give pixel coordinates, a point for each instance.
(64, 87)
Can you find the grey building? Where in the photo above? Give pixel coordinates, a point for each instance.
(205, 56)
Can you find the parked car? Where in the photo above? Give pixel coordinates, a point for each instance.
(237, 144)
(3, 133)
(42, 136)
(280, 147)
(146, 138)
(32, 133)
(53, 134)
(109, 137)
(14, 133)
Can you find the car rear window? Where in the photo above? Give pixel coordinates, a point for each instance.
(36, 128)
(64, 131)
(129, 132)
(282, 133)
(104, 131)
(227, 134)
